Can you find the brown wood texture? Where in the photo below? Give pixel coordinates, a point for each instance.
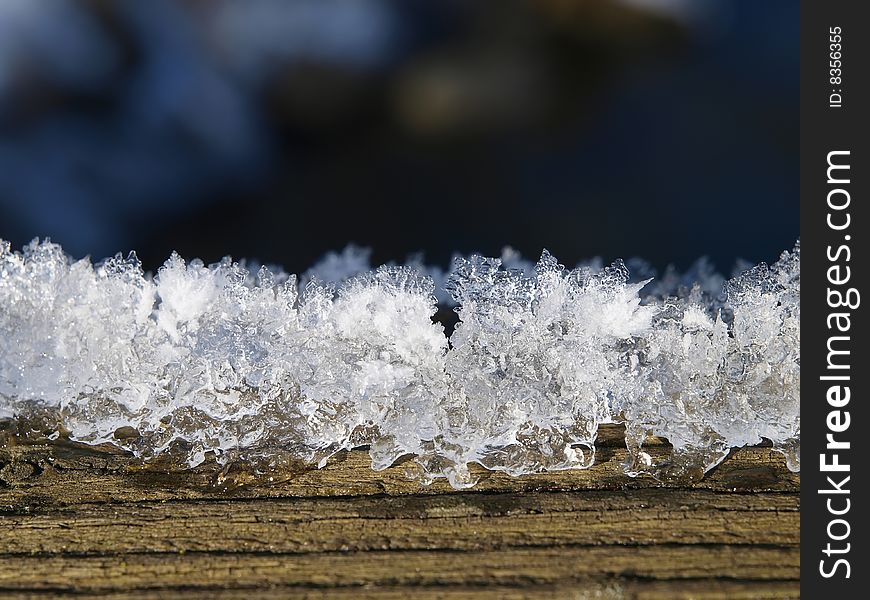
(79, 520)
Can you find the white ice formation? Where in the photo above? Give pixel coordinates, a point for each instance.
(712, 376)
(219, 359)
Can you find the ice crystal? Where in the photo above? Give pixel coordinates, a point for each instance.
(236, 360)
(337, 267)
(708, 385)
(533, 359)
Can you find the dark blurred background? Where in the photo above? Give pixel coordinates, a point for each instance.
(278, 130)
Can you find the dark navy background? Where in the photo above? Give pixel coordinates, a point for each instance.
(615, 129)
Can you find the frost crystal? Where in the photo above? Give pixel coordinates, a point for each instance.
(336, 268)
(236, 361)
(708, 385)
(532, 364)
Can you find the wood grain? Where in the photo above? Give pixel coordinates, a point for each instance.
(79, 520)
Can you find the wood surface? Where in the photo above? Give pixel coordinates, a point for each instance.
(93, 521)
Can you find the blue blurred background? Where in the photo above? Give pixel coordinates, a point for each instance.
(279, 130)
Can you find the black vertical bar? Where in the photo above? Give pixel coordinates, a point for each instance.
(835, 62)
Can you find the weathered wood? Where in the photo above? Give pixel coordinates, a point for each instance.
(589, 590)
(77, 520)
(460, 522)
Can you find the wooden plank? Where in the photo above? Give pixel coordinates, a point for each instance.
(83, 520)
(511, 566)
(690, 589)
(36, 475)
(464, 522)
